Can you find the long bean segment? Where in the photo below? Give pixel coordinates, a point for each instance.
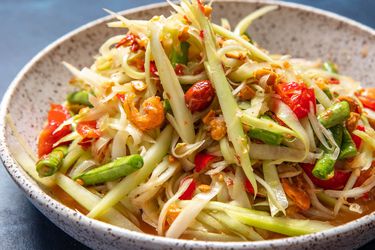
(50, 164)
(118, 168)
(79, 97)
(348, 148)
(324, 167)
(265, 136)
(335, 114)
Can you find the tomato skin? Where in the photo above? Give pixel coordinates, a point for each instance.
(356, 139)
(199, 96)
(297, 96)
(189, 192)
(367, 98)
(337, 182)
(202, 160)
(87, 129)
(56, 116)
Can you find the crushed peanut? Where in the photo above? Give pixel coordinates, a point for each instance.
(204, 188)
(172, 213)
(171, 159)
(272, 76)
(236, 55)
(208, 117)
(246, 93)
(139, 85)
(218, 128)
(184, 34)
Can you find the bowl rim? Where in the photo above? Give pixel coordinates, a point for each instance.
(41, 197)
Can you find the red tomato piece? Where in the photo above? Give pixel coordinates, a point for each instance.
(248, 187)
(367, 102)
(367, 97)
(337, 182)
(356, 139)
(87, 129)
(297, 96)
(189, 192)
(48, 137)
(202, 160)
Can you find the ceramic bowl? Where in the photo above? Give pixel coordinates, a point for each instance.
(294, 29)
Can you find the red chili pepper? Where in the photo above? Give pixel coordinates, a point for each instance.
(367, 97)
(201, 6)
(121, 97)
(333, 80)
(153, 69)
(87, 129)
(337, 182)
(126, 41)
(129, 40)
(47, 137)
(201, 34)
(356, 139)
(248, 187)
(297, 96)
(187, 19)
(189, 192)
(202, 160)
(179, 70)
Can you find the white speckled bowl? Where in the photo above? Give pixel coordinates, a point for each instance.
(294, 29)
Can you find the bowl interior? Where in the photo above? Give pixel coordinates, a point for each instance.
(292, 30)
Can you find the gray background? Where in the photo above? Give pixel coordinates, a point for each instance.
(26, 27)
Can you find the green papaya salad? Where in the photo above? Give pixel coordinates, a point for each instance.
(189, 129)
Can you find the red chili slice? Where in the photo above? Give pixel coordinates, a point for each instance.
(248, 187)
(356, 139)
(202, 160)
(189, 192)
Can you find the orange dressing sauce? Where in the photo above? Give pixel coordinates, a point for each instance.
(342, 218)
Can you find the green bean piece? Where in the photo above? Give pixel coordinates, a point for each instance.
(118, 168)
(180, 56)
(265, 136)
(324, 167)
(50, 164)
(335, 114)
(79, 97)
(348, 148)
(330, 67)
(167, 106)
(337, 133)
